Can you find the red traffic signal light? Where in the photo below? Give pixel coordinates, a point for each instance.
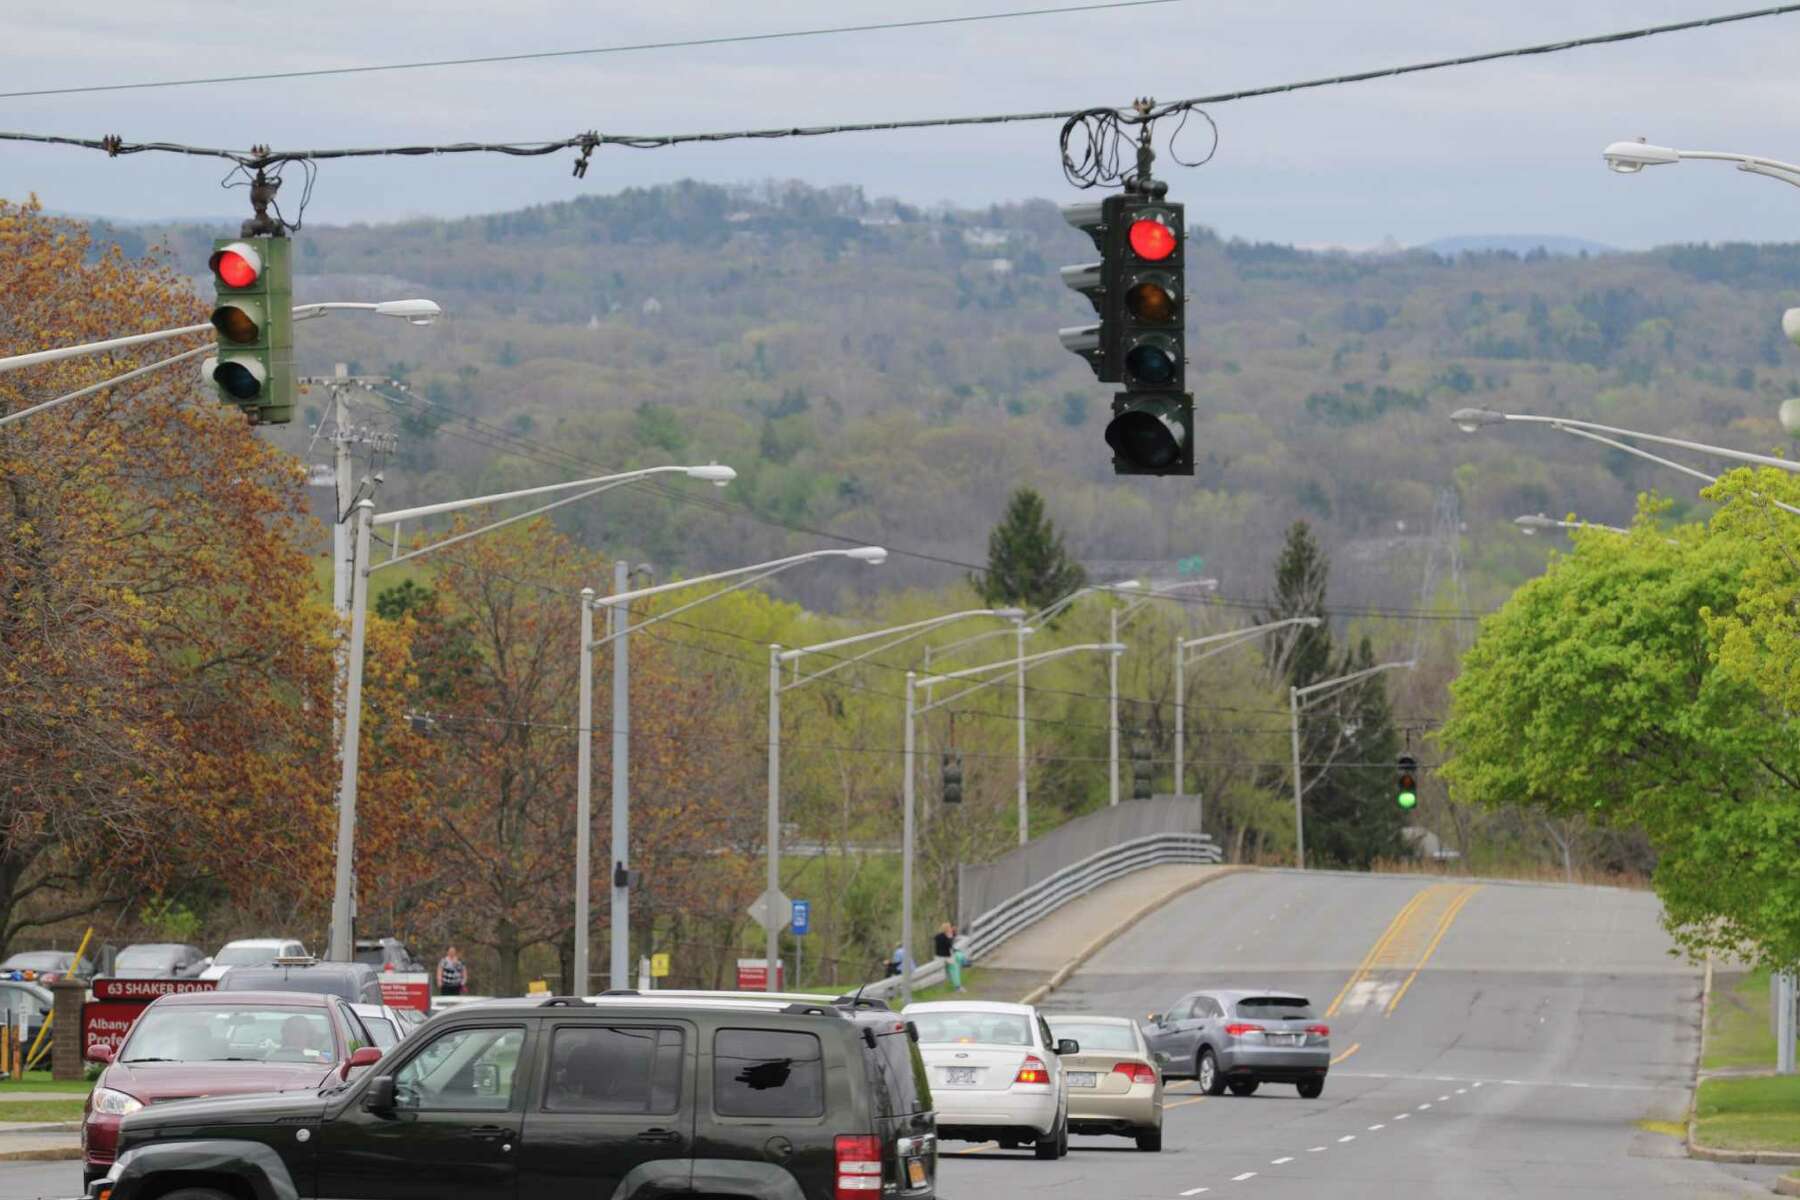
(1152, 239)
(237, 265)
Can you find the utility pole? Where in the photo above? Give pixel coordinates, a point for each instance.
(620, 624)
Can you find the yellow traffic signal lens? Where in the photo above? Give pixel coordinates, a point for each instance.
(1150, 300)
(236, 325)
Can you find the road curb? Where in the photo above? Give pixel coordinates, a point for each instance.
(1787, 1185)
(1094, 947)
(1698, 1149)
(42, 1154)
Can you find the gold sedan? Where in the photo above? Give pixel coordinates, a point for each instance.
(1114, 1084)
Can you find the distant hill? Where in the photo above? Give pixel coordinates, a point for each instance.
(891, 374)
(1517, 243)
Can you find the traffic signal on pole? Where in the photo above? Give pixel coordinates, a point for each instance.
(953, 779)
(253, 289)
(1408, 788)
(1139, 293)
(1142, 784)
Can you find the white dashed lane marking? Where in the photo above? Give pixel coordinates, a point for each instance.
(1276, 1162)
(1244, 1176)
(1195, 1191)
(1348, 1137)
(1314, 1149)
(1373, 1128)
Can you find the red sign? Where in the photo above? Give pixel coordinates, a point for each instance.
(107, 1022)
(409, 990)
(753, 975)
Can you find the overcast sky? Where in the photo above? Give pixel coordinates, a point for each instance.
(1506, 148)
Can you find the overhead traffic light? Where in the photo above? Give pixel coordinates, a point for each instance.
(1408, 788)
(1138, 290)
(253, 366)
(953, 779)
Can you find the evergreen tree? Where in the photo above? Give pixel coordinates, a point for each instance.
(1027, 564)
(1347, 737)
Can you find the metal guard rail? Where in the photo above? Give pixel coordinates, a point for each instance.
(991, 928)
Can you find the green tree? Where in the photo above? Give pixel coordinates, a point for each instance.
(1346, 736)
(1027, 562)
(1599, 689)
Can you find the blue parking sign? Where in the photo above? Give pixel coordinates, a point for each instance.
(801, 921)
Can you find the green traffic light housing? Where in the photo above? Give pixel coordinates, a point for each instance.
(253, 366)
(1408, 787)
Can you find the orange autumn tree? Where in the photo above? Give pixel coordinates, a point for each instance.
(165, 666)
(496, 644)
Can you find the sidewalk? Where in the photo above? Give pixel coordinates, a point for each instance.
(1045, 947)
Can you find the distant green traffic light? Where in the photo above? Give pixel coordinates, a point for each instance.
(1408, 795)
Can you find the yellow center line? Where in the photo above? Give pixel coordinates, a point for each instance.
(1444, 924)
(1189, 1100)
(975, 1149)
(1381, 943)
(1354, 1047)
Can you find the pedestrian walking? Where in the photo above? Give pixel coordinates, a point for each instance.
(943, 945)
(452, 973)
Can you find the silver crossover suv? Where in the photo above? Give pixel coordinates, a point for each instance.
(1239, 1039)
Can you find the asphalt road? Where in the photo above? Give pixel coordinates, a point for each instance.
(35, 1180)
(1494, 1040)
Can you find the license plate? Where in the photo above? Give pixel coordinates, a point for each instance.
(1288, 1039)
(1084, 1079)
(915, 1172)
(961, 1076)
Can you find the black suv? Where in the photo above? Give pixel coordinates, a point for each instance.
(356, 982)
(622, 1096)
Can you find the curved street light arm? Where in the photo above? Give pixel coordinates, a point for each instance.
(867, 554)
(745, 582)
(1657, 458)
(1761, 460)
(896, 635)
(1343, 681)
(158, 365)
(1010, 664)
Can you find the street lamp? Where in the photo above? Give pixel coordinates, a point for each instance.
(1629, 158)
(342, 938)
(415, 312)
(1118, 618)
(1323, 689)
(913, 709)
(619, 628)
(894, 636)
(1220, 642)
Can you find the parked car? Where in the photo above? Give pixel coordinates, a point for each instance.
(1242, 1039)
(26, 1004)
(996, 1073)
(353, 981)
(252, 952)
(218, 1044)
(386, 954)
(159, 960)
(624, 1095)
(1114, 1086)
(44, 966)
(387, 1026)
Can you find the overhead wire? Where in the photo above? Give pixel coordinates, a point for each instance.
(587, 142)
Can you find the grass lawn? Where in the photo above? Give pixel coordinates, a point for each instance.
(1737, 1023)
(41, 1110)
(40, 1081)
(1749, 1114)
(971, 977)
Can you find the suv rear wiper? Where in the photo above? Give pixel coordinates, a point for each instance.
(146, 1059)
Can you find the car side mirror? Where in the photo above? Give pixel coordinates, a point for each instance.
(380, 1096)
(362, 1056)
(1155, 1018)
(1068, 1046)
(99, 1052)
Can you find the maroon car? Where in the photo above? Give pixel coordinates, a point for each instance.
(217, 1044)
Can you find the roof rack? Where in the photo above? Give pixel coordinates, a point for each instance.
(565, 1002)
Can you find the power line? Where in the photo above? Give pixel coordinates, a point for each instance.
(726, 40)
(587, 143)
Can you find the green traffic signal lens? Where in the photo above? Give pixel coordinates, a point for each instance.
(1151, 300)
(238, 380)
(1145, 438)
(1408, 799)
(1151, 363)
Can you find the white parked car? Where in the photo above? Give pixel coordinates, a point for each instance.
(996, 1074)
(252, 952)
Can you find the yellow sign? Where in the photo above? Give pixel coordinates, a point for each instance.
(659, 966)
(537, 987)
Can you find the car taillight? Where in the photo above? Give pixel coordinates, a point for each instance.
(1032, 1071)
(1136, 1072)
(858, 1165)
(1242, 1030)
(1321, 1030)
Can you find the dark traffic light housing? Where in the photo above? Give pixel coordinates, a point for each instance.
(953, 779)
(1139, 293)
(1407, 792)
(1142, 779)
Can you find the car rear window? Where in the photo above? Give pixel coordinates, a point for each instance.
(974, 1026)
(897, 1074)
(768, 1073)
(299, 979)
(1097, 1036)
(1275, 1008)
(605, 1069)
